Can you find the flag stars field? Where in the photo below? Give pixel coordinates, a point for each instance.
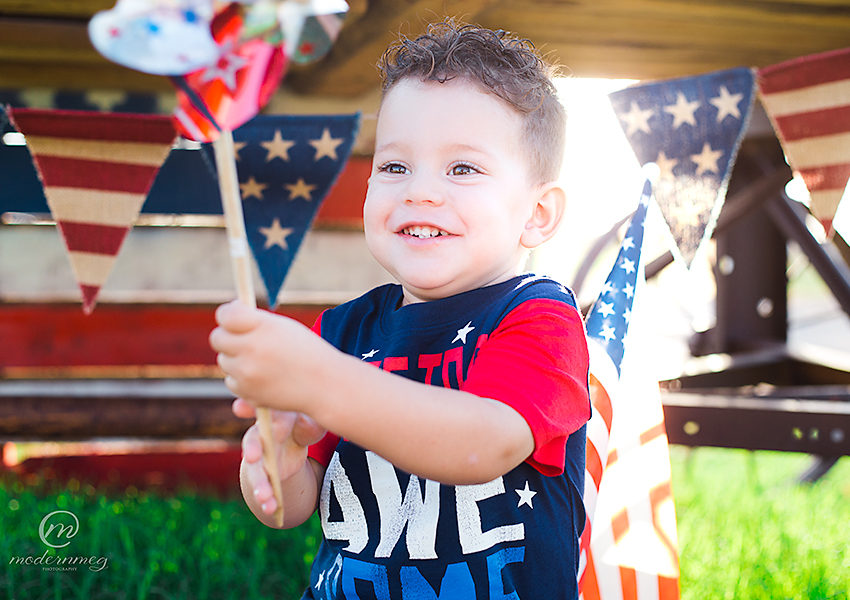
(707, 159)
(252, 189)
(727, 104)
(276, 235)
(300, 189)
(637, 119)
(277, 147)
(326, 145)
(683, 111)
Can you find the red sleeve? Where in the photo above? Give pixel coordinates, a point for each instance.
(323, 450)
(536, 362)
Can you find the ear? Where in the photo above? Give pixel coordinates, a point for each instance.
(546, 216)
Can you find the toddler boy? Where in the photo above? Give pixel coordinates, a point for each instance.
(455, 468)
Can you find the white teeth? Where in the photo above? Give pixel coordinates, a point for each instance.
(423, 231)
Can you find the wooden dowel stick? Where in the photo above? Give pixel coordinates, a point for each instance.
(240, 260)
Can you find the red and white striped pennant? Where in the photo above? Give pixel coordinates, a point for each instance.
(808, 101)
(96, 169)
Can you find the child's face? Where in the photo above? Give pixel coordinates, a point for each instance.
(450, 194)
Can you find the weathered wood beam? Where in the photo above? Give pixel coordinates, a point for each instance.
(85, 409)
(348, 69)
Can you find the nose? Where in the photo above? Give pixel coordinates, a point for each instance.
(424, 189)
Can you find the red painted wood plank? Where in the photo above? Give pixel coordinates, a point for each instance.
(60, 335)
(343, 207)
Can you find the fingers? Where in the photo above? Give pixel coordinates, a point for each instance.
(306, 431)
(237, 317)
(243, 409)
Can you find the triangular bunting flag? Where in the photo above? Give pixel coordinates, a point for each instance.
(629, 547)
(691, 128)
(286, 166)
(96, 169)
(808, 101)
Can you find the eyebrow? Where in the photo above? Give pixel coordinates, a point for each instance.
(449, 147)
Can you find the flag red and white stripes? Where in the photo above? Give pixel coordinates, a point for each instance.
(96, 169)
(808, 101)
(628, 550)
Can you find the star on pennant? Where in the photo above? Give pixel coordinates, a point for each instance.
(237, 148)
(300, 189)
(707, 159)
(637, 119)
(277, 147)
(525, 496)
(683, 111)
(665, 165)
(326, 145)
(606, 309)
(463, 332)
(276, 235)
(608, 332)
(727, 104)
(627, 315)
(252, 188)
(608, 288)
(370, 354)
(629, 290)
(628, 243)
(628, 265)
(225, 68)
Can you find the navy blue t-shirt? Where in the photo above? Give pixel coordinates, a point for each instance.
(392, 535)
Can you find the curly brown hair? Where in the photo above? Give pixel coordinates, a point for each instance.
(502, 64)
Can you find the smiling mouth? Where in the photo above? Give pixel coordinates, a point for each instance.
(424, 232)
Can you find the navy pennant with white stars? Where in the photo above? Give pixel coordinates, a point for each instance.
(608, 319)
(286, 166)
(691, 128)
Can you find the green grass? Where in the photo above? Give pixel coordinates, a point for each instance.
(187, 546)
(746, 531)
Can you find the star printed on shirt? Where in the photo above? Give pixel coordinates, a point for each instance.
(252, 189)
(707, 159)
(525, 496)
(463, 332)
(300, 189)
(370, 354)
(326, 145)
(276, 235)
(637, 119)
(683, 111)
(277, 147)
(727, 104)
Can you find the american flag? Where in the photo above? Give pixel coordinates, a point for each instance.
(96, 169)
(628, 548)
(691, 128)
(808, 101)
(286, 166)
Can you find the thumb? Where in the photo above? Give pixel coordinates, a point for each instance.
(306, 431)
(236, 317)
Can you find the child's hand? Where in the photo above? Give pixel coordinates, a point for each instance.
(268, 359)
(292, 432)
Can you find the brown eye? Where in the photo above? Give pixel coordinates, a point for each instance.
(462, 169)
(393, 169)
